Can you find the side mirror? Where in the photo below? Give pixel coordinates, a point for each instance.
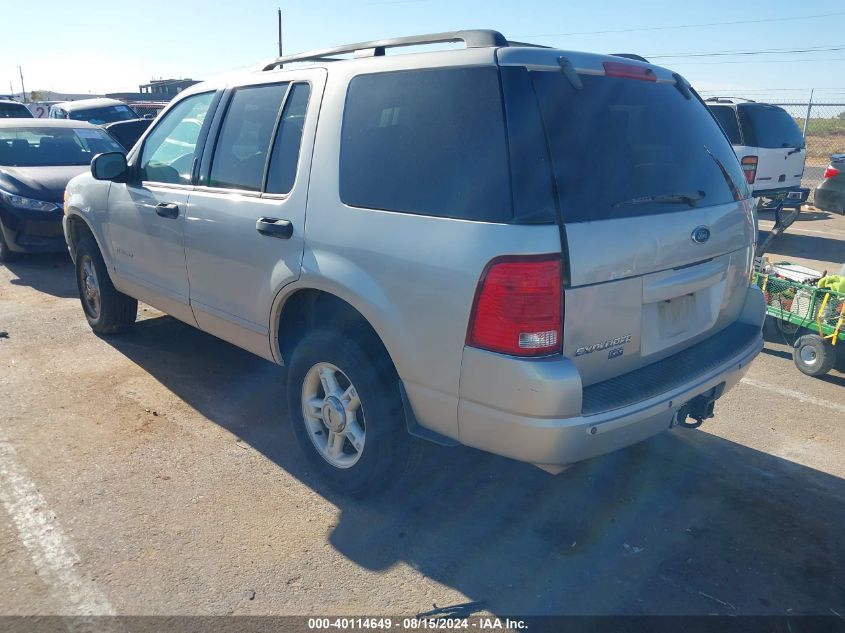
(109, 166)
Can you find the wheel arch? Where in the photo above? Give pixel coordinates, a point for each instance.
(77, 227)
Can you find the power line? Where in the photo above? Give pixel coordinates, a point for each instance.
(691, 26)
(770, 51)
(759, 61)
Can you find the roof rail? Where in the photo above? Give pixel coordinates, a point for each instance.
(634, 56)
(728, 100)
(376, 48)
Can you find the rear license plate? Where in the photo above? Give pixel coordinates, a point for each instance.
(675, 315)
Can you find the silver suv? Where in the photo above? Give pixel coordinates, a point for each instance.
(539, 253)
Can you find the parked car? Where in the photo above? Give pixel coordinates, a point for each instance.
(37, 159)
(13, 110)
(769, 145)
(128, 132)
(830, 194)
(96, 111)
(502, 248)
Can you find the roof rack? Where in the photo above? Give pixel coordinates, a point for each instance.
(376, 48)
(634, 56)
(728, 100)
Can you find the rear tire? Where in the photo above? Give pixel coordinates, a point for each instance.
(814, 355)
(347, 412)
(6, 254)
(107, 310)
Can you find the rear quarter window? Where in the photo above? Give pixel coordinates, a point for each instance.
(726, 116)
(428, 142)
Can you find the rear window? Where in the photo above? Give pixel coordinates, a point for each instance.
(429, 142)
(622, 148)
(726, 116)
(769, 126)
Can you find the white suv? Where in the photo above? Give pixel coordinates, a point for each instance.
(769, 145)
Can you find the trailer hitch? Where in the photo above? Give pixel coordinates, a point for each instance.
(699, 408)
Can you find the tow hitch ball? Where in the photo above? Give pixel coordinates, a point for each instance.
(699, 408)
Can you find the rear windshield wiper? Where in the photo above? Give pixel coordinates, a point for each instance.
(691, 198)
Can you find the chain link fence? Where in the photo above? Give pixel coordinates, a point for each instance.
(824, 132)
(147, 108)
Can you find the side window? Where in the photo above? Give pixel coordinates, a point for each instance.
(430, 142)
(168, 153)
(726, 116)
(241, 150)
(285, 156)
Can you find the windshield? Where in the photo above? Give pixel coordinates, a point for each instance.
(769, 126)
(622, 147)
(14, 111)
(106, 114)
(42, 146)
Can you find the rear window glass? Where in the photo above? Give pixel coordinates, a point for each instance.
(769, 126)
(623, 148)
(429, 142)
(726, 116)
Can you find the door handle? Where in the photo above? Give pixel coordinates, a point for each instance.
(167, 210)
(275, 227)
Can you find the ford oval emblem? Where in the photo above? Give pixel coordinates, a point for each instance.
(701, 234)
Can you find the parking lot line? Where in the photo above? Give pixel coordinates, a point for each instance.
(51, 551)
(803, 397)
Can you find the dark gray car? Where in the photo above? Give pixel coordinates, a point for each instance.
(830, 194)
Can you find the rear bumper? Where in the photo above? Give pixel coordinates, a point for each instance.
(554, 441)
(830, 196)
(791, 196)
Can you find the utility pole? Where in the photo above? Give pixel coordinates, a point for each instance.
(23, 91)
(809, 109)
(280, 32)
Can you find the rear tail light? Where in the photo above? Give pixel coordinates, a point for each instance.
(628, 71)
(831, 171)
(518, 307)
(749, 168)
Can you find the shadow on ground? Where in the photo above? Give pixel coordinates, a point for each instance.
(684, 523)
(51, 274)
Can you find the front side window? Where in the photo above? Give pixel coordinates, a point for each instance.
(241, 150)
(168, 153)
(14, 111)
(429, 142)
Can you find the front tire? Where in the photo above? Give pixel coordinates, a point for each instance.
(347, 412)
(107, 310)
(813, 355)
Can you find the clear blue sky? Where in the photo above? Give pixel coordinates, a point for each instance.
(103, 47)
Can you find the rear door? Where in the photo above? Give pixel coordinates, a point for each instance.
(778, 143)
(245, 222)
(658, 230)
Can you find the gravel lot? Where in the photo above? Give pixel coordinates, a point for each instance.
(155, 473)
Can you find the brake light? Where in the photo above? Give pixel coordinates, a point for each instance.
(518, 307)
(749, 168)
(628, 71)
(831, 171)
